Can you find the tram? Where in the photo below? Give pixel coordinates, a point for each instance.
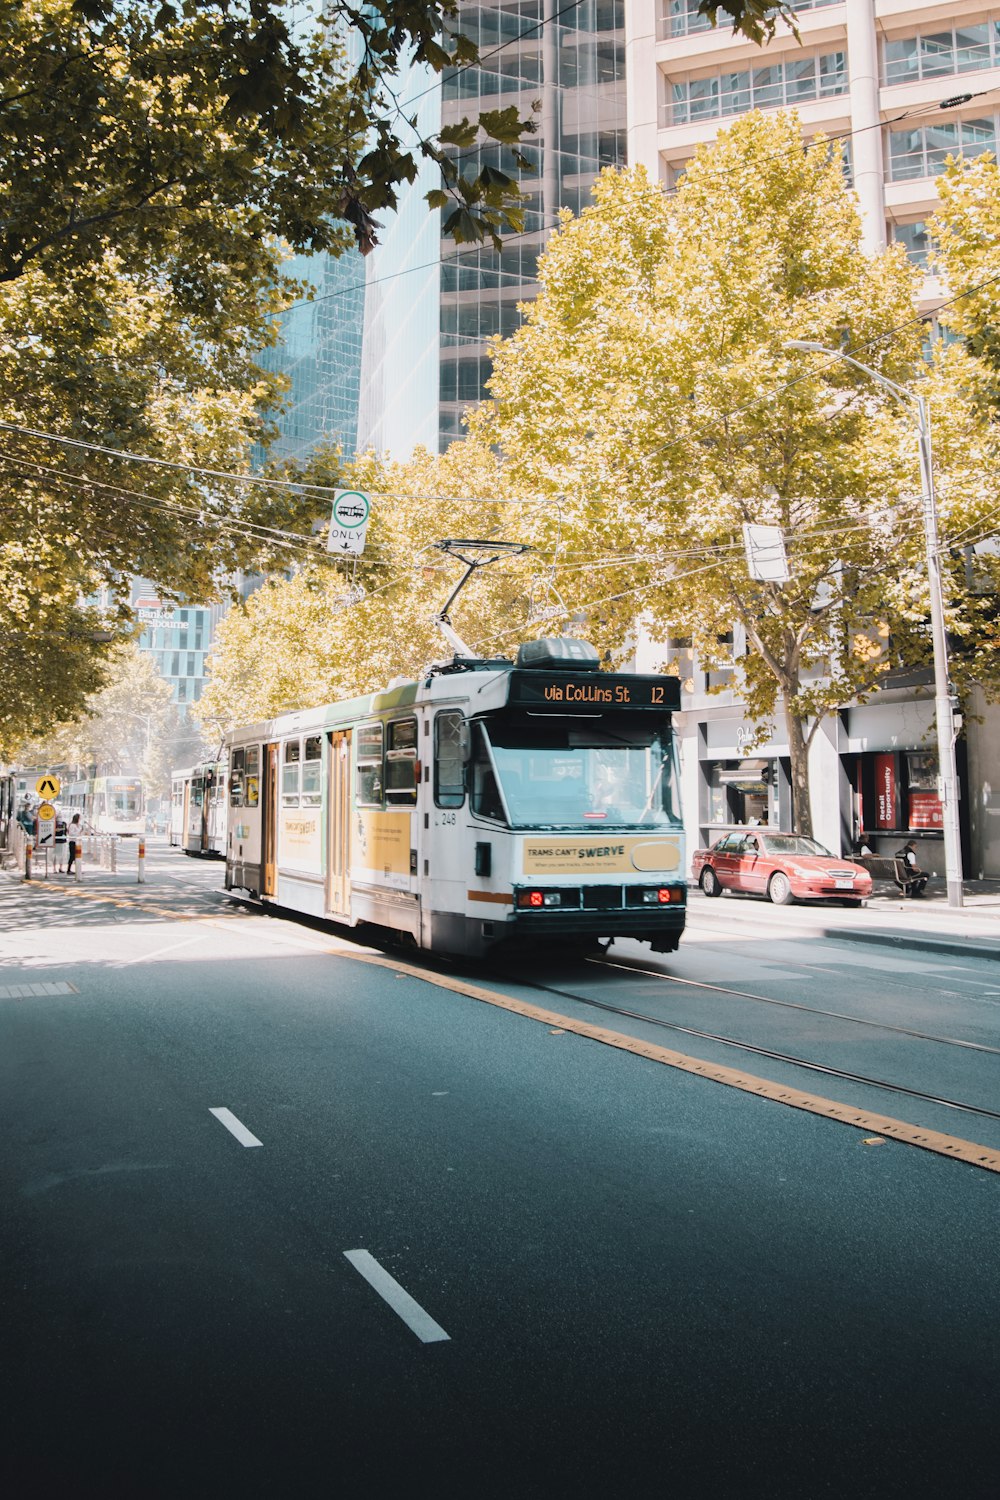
(491, 802)
(108, 804)
(198, 808)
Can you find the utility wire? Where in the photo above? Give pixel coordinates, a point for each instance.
(461, 257)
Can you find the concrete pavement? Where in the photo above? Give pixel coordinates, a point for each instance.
(925, 923)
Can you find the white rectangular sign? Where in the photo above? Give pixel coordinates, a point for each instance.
(348, 522)
(765, 548)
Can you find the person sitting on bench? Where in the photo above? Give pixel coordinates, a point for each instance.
(915, 878)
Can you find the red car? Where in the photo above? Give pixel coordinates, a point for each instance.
(784, 866)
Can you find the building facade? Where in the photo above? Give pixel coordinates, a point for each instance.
(178, 638)
(433, 306)
(905, 84)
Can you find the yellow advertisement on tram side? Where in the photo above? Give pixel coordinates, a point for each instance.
(382, 845)
(607, 856)
(300, 845)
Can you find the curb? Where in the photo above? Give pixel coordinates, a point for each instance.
(979, 945)
(953, 947)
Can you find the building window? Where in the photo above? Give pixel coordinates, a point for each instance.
(821, 75)
(682, 17)
(915, 240)
(922, 150)
(961, 49)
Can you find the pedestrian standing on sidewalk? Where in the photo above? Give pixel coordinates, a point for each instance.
(61, 840)
(75, 834)
(916, 878)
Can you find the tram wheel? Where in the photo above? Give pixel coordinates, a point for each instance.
(710, 882)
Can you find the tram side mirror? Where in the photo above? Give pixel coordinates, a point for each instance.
(465, 742)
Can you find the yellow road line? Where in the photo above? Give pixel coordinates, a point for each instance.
(954, 1147)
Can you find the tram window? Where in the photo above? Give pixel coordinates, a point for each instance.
(290, 774)
(251, 789)
(370, 779)
(311, 788)
(197, 791)
(450, 739)
(236, 778)
(401, 765)
(485, 793)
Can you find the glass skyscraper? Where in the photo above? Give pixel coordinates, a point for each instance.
(433, 305)
(320, 353)
(571, 63)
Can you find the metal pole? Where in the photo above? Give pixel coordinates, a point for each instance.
(943, 702)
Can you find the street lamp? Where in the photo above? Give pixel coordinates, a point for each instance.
(944, 703)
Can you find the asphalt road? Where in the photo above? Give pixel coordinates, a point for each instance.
(622, 1278)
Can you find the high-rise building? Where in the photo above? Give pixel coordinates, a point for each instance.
(320, 353)
(432, 306)
(178, 637)
(905, 83)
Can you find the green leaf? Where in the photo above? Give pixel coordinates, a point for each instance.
(462, 134)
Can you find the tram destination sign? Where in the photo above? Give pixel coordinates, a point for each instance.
(587, 692)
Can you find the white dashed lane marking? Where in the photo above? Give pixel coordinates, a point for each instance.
(235, 1127)
(389, 1289)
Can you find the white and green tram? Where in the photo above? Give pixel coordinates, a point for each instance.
(490, 802)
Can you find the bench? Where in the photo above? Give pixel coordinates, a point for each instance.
(885, 867)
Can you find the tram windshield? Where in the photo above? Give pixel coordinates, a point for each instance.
(556, 775)
(124, 799)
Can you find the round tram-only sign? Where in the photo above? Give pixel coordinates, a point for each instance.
(351, 510)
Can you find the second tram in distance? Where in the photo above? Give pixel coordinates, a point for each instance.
(198, 808)
(534, 801)
(108, 804)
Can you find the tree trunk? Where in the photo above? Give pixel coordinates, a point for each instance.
(799, 751)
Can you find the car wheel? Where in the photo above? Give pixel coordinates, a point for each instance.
(779, 889)
(710, 882)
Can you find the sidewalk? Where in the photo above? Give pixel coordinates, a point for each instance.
(925, 923)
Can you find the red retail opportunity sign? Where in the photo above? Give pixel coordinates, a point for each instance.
(885, 791)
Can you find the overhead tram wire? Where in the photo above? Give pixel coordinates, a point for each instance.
(269, 536)
(326, 491)
(462, 256)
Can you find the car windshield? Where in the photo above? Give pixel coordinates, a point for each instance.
(558, 775)
(793, 843)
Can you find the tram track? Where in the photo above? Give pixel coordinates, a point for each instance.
(812, 1010)
(773, 1054)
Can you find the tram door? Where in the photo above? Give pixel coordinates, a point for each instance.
(338, 894)
(269, 823)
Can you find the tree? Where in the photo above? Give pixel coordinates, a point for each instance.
(157, 162)
(188, 132)
(107, 362)
(337, 630)
(116, 729)
(651, 386)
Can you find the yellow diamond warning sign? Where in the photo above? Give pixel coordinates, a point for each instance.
(47, 786)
